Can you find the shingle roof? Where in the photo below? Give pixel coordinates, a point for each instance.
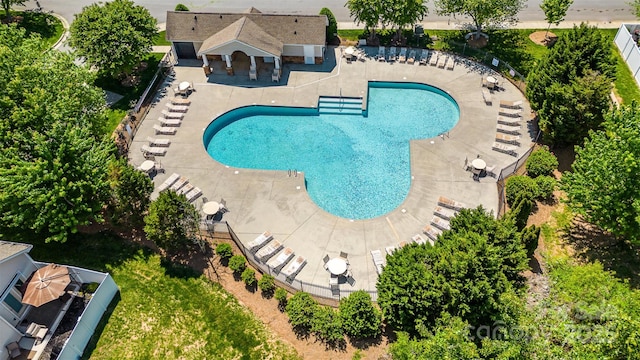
(9, 249)
(245, 31)
(289, 29)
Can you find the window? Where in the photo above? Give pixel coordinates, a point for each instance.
(12, 297)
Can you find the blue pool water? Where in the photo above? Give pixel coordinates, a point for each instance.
(355, 167)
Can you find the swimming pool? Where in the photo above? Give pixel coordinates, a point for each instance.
(355, 167)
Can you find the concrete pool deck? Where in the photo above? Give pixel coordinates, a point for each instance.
(273, 200)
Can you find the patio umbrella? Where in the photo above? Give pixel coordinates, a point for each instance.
(46, 284)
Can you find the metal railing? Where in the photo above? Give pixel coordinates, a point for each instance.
(324, 294)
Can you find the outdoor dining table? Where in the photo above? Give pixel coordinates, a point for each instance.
(492, 81)
(479, 164)
(184, 85)
(147, 166)
(337, 266)
(211, 208)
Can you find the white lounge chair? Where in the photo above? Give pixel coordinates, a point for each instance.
(509, 129)
(486, 96)
(507, 120)
(510, 112)
(259, 241)
(152, 150)
(172, 115)
(193, 194)
(511, 104)
(412, 57)
(381, 54)
(451, 62)
(403, 55)
(36, 331)
(178, 184)
(418, 239)
(279, 261)
(169, 122)
(268, 250)
(431, 232)
(185, 189)
(177, 108)
(433, 61)
(180, 101)
(424, 57)
(442, 60)
(440, 223)
(158, 142)
(378, 260)
(506, 138)
(294, 267)
(390, 249)
(168, 182)
(505, 148)
(392, 54)
(164, 130)
(451, 204)
(445, 213)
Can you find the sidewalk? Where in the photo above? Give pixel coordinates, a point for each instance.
(457, 25)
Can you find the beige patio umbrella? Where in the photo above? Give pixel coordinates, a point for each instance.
(46, 284)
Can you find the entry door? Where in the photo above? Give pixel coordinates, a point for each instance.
(309, 54)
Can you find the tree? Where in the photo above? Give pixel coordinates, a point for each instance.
(181, 7)
(114, 37)
(367, 12)
(249, 277)
(224, 250)
(566, 87)
(635, 4)
(6, 5)
(332, 28)
(267, 285)
(301, 310)
(131, 190)
(604, 185)
(402, 13)
(360, 319)
(520, 187)
(237, 263)
(483, 13)
(541, 162)
(327, 326)
(172, 221)
(450, 340)
(554, 12)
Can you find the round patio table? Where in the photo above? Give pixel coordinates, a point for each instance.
(337, 266)
(350, 50)
(211, 208)
(183, 85)
(147, 165)
(479, 164)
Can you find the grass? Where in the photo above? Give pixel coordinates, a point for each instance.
(130, 94)
(164, 311)
(160, 39)
(47, 26)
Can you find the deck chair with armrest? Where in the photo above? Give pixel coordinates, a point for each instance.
(277, 262)
(442, 60)
(164, 130)
(507, 138)
(511, 104)
(392, 54)
(431, 232)
(177, 108)
(294, 267)
(168, 182)
(440, 223)
(444, 212)
(158, 142)
(381, 54)
(508, 129)
(172, 115)
(193, 194)
(268, 251)
(13, 349)
(451, 63)
(169, 122)
(179, 183)
(433, 60)
(510, 112)
(451, 204)
(259, 241)
(505, 148)
(152, 150)
(412, 57)
(507, 120)
(424, 57)
(179, 101)
(486, 96)
(402, 58)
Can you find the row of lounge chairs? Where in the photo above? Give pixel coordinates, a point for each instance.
(508, 127)
(411, 57)
(265, 248)
(379, 259)
(442, 214)
(180, 185)
(172, 116)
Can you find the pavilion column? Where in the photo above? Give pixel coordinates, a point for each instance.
(253, 61)
(205, 61)
(205, 65)
(277, 61)
(227, 58)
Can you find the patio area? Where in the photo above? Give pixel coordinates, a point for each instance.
(259, 200)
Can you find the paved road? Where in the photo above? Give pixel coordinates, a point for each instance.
(593, 10)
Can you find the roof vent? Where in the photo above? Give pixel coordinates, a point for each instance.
(195, 17)
(295, 33)
(193, 29)
(220, 16)
(296, 20)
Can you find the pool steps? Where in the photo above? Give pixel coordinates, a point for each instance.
(340, 105)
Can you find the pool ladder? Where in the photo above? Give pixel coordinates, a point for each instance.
(292, 171)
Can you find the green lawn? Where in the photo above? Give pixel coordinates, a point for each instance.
(47, 26)
(164, 312)
(161, 40)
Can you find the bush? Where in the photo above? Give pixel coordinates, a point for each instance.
(360, 319)
(520, 212)
(267, 284)
(249, 277)
(521, 186)
(181, 7)
(332, 28)
(530, 237)
(281, 297)
(237, 263)
(546, 185)
(224, 250)
(541, 162)
(301, 309)
(327, 327)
